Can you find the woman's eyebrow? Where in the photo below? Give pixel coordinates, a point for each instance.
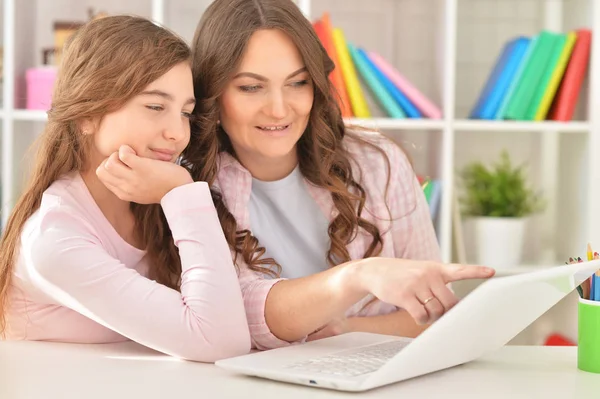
(264, 79)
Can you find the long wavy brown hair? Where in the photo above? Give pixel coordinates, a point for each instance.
(217, 49)
(105, 63)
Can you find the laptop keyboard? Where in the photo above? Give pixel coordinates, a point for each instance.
(353, 362)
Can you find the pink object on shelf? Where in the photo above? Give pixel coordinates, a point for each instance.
(40, 83)
(418, 99)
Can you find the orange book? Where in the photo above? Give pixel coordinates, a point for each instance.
(336, 76)
(564, 103)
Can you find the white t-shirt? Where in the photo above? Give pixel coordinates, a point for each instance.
(289, 224)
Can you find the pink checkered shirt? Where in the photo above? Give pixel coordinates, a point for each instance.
(409, 235)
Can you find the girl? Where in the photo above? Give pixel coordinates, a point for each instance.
(111, 239)
(337, 213)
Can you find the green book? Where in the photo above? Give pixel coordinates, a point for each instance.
(540, 90)
(427, 189)
(532, 75)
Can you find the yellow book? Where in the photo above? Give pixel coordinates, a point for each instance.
(556, 77)
(357, 98)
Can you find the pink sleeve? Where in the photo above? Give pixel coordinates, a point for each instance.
(412, 230)
(255, 289)
(205, 322)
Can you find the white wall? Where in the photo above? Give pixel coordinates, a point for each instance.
(183, 15)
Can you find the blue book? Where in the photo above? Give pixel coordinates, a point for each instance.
(516, 78)
(408, 107)
(492, 79)
(392, 108)
(435, 200)
(498, 92)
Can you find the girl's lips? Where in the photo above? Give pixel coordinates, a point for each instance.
(163, 155)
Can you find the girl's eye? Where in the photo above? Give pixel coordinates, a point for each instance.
(187, 115)
(155, 107)
(250, 89)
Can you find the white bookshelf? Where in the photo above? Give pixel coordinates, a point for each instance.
(462, 59)
(518, 126)
(446, 62)
(386, 124)
(29, 115)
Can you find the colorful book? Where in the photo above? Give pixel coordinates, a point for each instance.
(501, 113)
(432, 190)
(435, 198)
(550, 69)
(336, 75)
(532, 76)
(556, 77)
(357, 98)
(568, 92)
(410, 110)
(499, 81)
(427, 107)
(492, 80)
(427, 188)
(381, 95)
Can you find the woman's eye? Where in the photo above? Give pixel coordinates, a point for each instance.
(155, 107)
(300, 83)
(250, 89)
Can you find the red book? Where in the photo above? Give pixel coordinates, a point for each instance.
(564, 103)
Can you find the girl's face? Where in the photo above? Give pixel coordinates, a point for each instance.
(155, 123)
(265, 108)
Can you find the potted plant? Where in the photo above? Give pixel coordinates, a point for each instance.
(497, 201)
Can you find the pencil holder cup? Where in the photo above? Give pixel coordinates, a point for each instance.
(588, 345)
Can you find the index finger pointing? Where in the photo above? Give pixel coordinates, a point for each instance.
(454, 272)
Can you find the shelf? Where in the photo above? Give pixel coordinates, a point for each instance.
(29, 115)
(397, 124)
(408, 124)
(521, 126)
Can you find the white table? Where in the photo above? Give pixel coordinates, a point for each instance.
(36, 370)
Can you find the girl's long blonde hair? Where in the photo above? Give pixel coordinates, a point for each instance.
(105, 63)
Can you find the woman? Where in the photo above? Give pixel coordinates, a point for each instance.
(111, 239)
(338, 213)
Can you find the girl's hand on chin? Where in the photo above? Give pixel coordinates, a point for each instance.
(141, 180)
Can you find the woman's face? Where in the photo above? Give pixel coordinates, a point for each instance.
(266, 107)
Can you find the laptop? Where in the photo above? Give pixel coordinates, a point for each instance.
(482, 322)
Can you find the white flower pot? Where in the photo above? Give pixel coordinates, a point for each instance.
(498, 241)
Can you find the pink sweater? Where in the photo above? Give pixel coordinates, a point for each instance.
(77, 280)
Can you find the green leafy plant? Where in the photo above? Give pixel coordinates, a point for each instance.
(499, 191)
